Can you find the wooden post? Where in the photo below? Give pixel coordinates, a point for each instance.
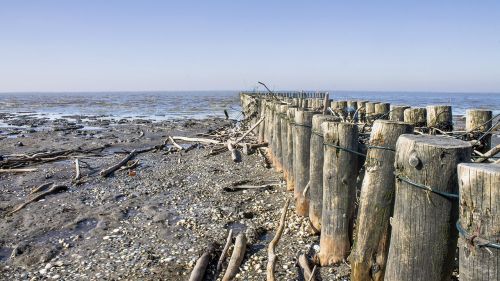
(382, 110)
(362, 110)
(316, 170)
(424, 237)
(342, 108)
(277, 138)
(261, 132)
(326, 103)
(440, 117)
(376, 201)
(283, 135)
(340, 170)
(370, 111)
(303, 124)
(397, 112)
(480, 220)
(477, 122)
(416, 116)
(290, 180)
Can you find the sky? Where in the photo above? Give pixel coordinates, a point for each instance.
(115, 45)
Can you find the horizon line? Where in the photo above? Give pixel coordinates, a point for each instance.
(240, 90)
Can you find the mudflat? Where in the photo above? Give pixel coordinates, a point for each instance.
(149, 222)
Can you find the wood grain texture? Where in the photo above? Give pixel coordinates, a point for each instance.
(424, 237)
(376, 202)
(480, 216)
(340, 170)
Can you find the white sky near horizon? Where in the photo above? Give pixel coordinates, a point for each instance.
(230, 45)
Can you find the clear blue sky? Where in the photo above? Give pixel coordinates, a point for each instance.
(90, 45)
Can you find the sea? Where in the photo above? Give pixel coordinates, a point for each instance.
(158, 106)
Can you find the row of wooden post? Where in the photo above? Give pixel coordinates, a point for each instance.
(407, 184)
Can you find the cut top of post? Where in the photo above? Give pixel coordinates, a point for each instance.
(437, 141)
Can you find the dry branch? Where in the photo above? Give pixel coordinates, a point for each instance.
(54, 189)
(240, 247)
(6, 171)
(492, 152)
(201, 265)
(249, 130)
(271, 262)
(110, 170)
(209, 141)
(224, 253)
(41, 187)
(304, 265)
(175, 144)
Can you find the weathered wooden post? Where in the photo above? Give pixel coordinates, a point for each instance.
(290, 180)
(362, 110)
(416, 116)
(479, 221)
(261, 130)
(376, 200)
(342, 108)
(370, 111)
(440, 117)
(340, 170)
(424, 237)
(397, 112)
(382, 110)
(316, 170)
(301, 152)
(477, 122)
(283, 135)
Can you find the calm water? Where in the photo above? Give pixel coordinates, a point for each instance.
(175, 105)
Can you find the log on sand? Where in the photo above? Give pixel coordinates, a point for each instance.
(240, 246)
(110, 170)
(201, 265)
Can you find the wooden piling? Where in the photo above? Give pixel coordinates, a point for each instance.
(361, 110)
(477, 122)
(315, 194)
(340, 170)
(416, 116)
(376, 201)
(261, 129)
(370, 111)
(479, 221)
(397, 112)
(424, 237)
(439, 117)
(301, 152)
(290, 180)
(382, 110)
(283, 134)
(276, 144)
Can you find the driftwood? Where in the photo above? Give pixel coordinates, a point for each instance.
(271, 261)
(41, 187)
(110, 170)
(240, 246)
(175, 144)
(224, 253)
(54, 189)
(249, 130)
(77, 170)
(7, 171)
(201, 265)
(241, 187)
(492, 152)
(306, 269)
(202, 140)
